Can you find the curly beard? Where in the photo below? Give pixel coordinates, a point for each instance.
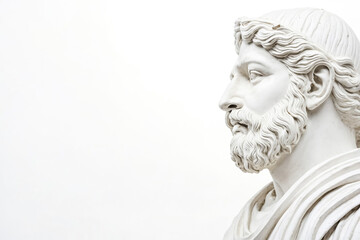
(260, 141)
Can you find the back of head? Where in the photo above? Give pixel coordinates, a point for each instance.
(326, 30)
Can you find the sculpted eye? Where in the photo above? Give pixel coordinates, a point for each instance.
(254, 75)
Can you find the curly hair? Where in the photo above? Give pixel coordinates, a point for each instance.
(301, 56)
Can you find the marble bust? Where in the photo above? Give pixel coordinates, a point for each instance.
(293, 107)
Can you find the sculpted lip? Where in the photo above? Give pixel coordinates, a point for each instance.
(237, 125)
(240, 128)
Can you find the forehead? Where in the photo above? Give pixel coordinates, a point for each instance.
(249, 53)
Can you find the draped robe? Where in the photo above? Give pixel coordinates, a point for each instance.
(323, 204)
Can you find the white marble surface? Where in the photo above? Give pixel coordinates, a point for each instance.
(293, 103)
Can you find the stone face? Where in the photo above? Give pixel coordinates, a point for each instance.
(293, 107)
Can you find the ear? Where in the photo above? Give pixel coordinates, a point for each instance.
(321, 80)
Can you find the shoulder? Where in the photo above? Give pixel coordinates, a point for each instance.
(332, 214)
(347, 228)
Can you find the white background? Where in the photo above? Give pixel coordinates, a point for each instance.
(109, 124)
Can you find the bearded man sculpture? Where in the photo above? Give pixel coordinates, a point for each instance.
(293, 106)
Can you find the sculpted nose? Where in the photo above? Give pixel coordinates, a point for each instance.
(230, 99)
(230, 104)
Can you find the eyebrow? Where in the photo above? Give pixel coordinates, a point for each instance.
(244, 65)
(248, 62)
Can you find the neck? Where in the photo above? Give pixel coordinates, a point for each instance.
(325, 136)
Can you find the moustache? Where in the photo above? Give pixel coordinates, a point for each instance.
(243, 118)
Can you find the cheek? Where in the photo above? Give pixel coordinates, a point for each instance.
(267, 93)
